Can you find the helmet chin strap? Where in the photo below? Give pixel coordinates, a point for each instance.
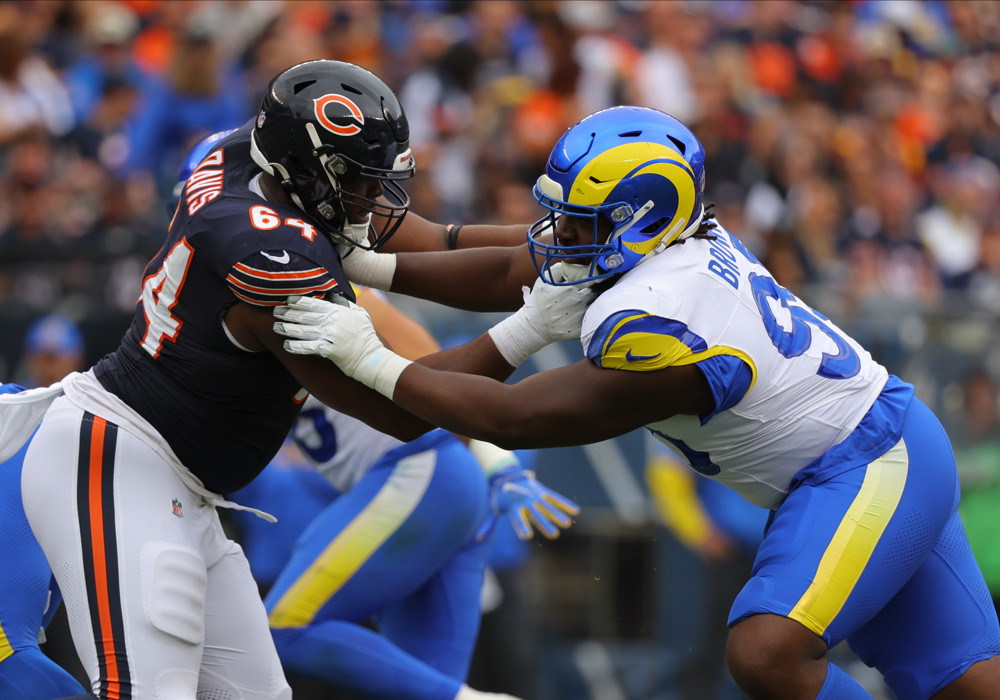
(641, 212)
(325, 209)
(357, 234)
(275, 170)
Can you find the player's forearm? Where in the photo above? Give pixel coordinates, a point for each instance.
(479, 279)
(353, 398)
(479, 356)
(417, 234)
(471, 405)
(483, 236)
(554, 408)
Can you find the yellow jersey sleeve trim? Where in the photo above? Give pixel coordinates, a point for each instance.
(641, 352)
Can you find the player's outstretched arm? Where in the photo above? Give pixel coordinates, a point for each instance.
(484, 272)
(573, 405)
(344, 333)
(475, 279)
(416, 235)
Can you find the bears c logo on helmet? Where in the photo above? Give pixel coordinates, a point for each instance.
(321, 103)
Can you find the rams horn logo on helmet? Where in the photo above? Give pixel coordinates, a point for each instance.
(320, 104)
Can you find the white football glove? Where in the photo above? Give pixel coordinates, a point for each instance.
(365, 266)
(550, 314)
(342, 332)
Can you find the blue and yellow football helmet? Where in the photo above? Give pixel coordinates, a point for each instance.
(638, 168)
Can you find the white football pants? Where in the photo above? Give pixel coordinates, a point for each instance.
(161, 604)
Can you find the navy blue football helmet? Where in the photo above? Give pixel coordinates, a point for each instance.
(322, 126)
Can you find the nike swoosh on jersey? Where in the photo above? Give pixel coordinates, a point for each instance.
(281, 259)
(639, 358)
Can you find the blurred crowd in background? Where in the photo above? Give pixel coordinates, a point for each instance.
(854, 146)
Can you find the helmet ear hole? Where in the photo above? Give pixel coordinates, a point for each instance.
(655, 226)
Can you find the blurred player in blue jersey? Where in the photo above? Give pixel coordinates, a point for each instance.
(724, 531)
(53, 347)
(191, 162)
(293, 492)
(692, 338)
(28, 598)
(405, 545)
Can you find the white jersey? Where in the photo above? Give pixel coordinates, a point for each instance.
(340, 447)
(710, 301)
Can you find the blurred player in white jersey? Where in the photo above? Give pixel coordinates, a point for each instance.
(692, 338)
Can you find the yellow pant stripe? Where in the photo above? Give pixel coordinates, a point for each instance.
(5, 648)
(854, 541)
(356, 543)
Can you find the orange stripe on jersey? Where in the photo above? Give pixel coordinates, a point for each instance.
(256, 302)
(265, 275)
(283, 291)
(105, 637)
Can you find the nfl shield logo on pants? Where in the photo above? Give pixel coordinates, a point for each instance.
(176, 508)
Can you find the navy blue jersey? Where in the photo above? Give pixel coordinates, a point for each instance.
(223, 410)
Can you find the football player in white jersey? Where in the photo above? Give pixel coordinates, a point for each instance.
(693, 338)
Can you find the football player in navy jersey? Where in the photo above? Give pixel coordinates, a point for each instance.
(122, 482)
(693, 339)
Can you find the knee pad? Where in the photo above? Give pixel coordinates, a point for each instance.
(174, 683)
(213, 687)
(174, 584)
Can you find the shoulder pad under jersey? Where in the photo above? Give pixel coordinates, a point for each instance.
(268, 277)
